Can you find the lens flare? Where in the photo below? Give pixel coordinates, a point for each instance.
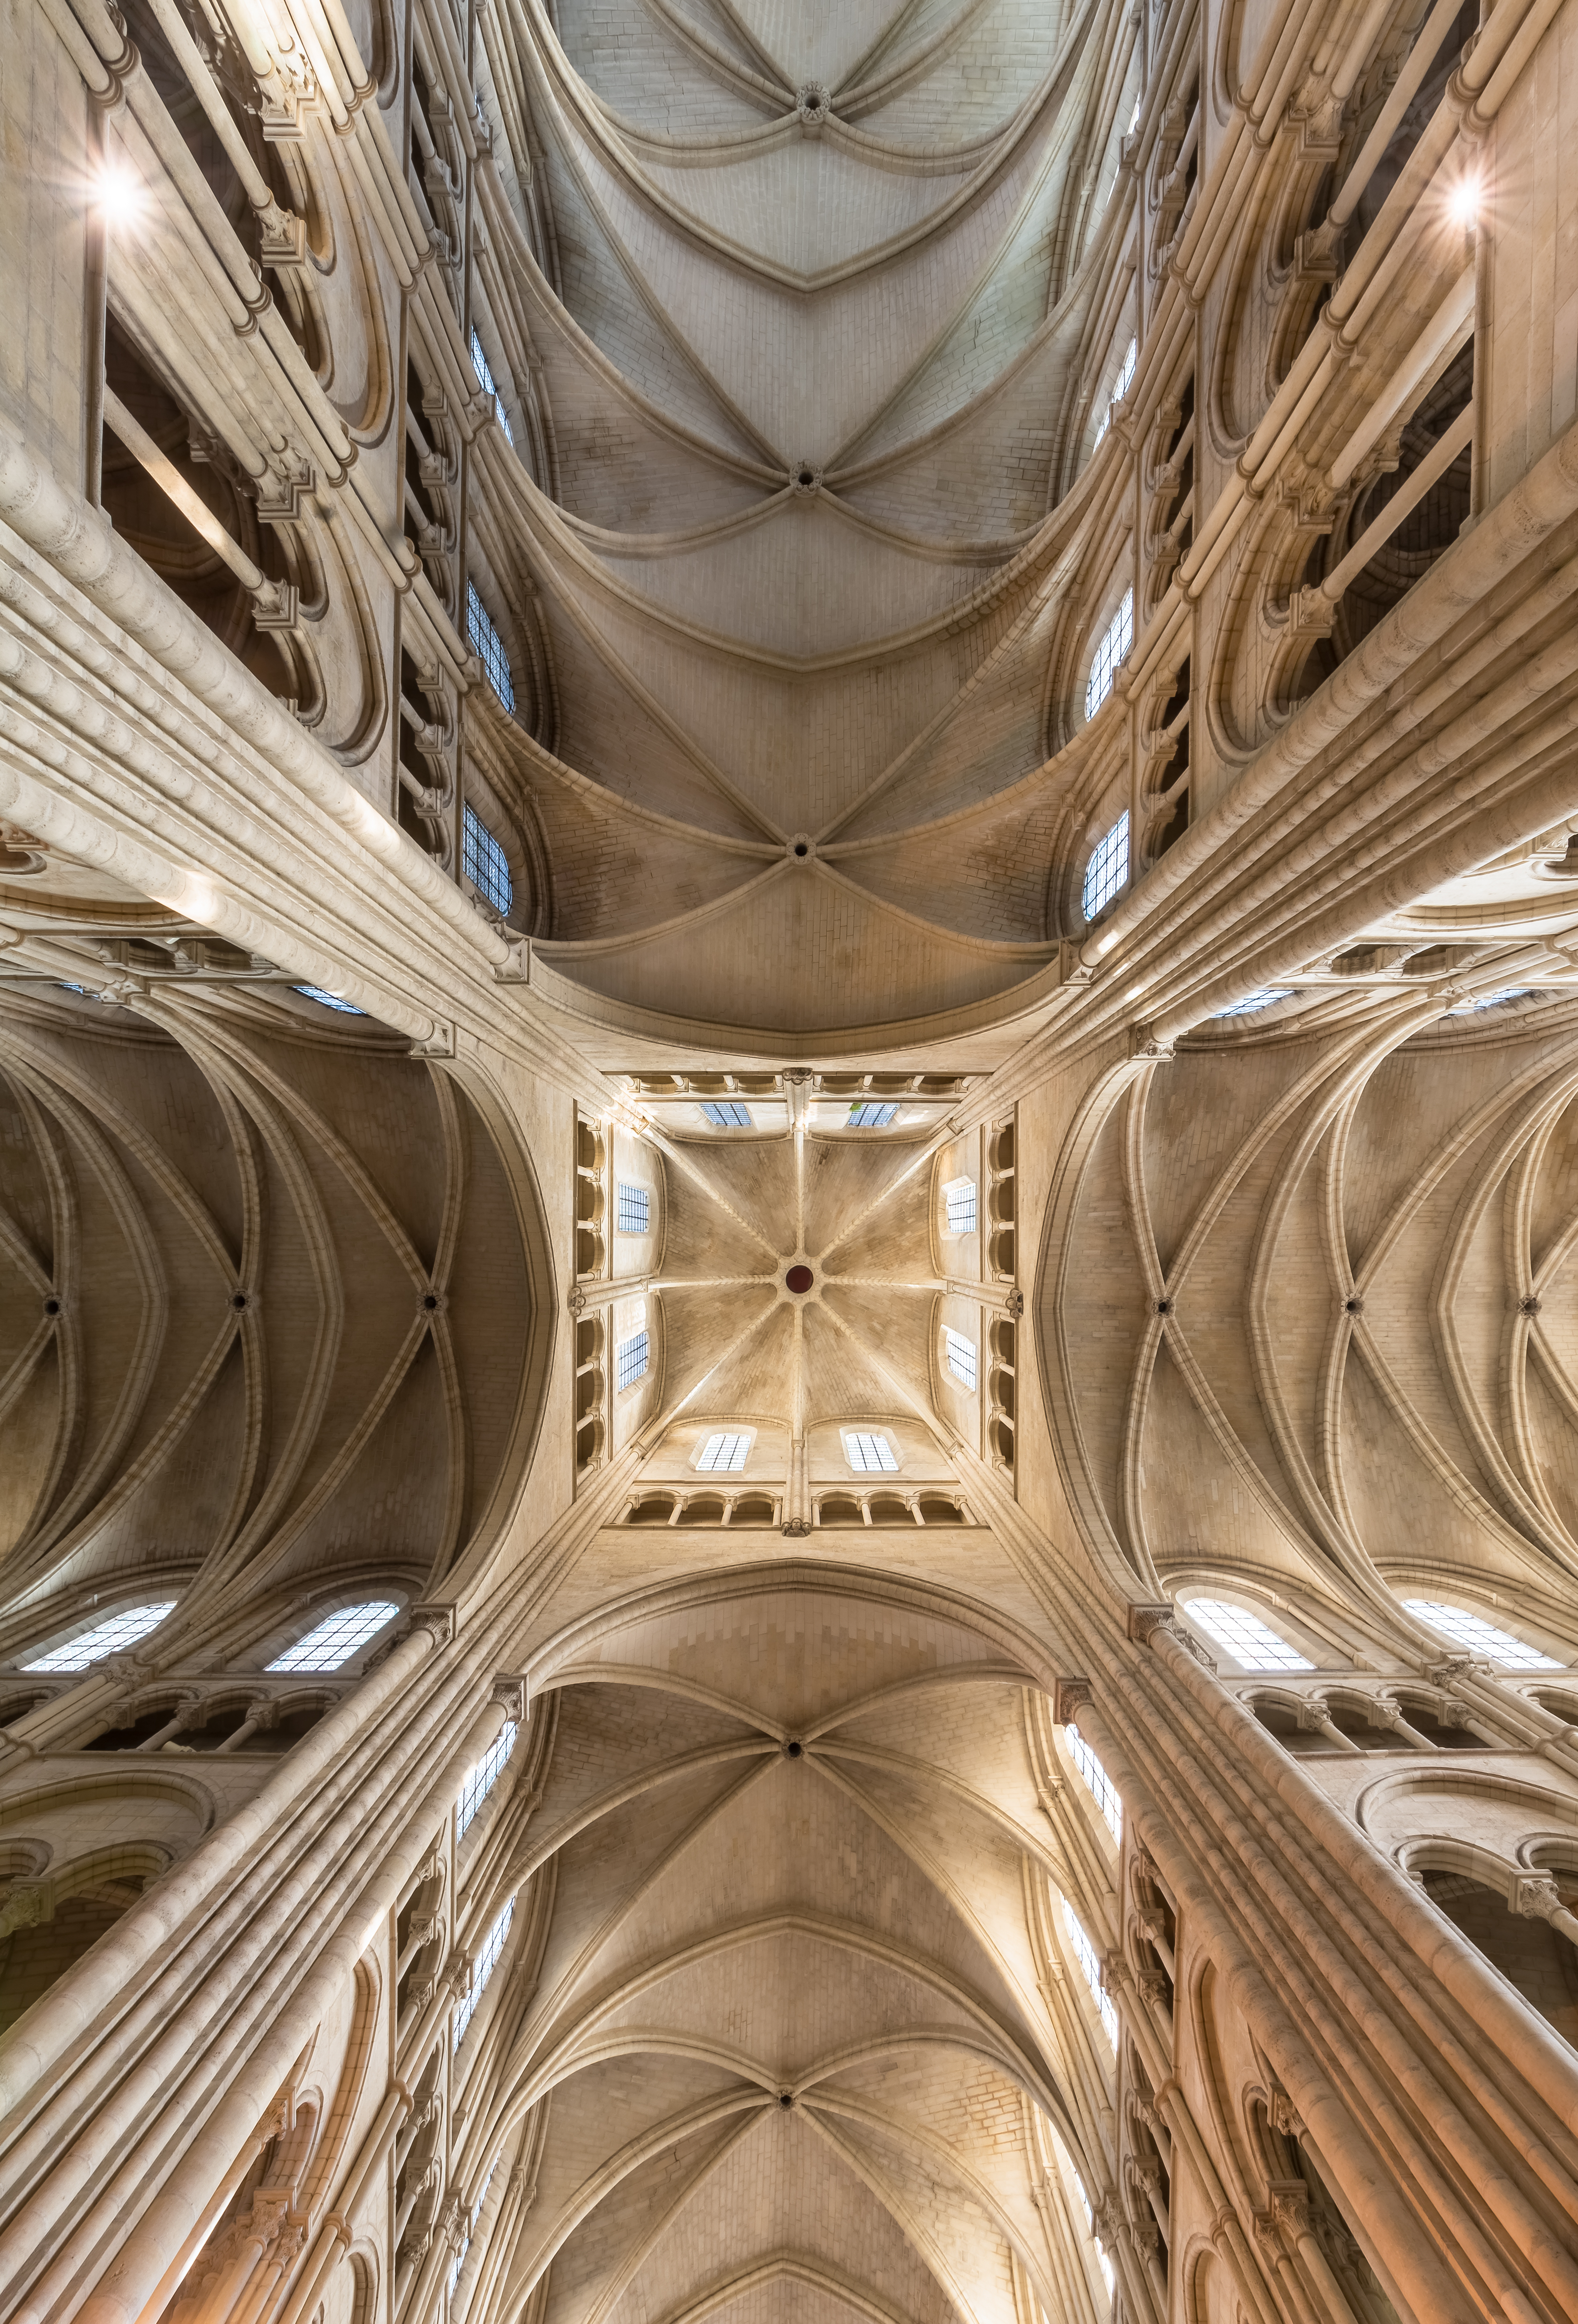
(1462, 203)
(118, 191)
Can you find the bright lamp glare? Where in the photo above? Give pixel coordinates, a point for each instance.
(1464, 201)
(118, 190)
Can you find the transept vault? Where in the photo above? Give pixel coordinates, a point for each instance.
(788, 1162)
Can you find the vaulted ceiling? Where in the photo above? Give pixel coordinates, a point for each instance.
(814, 305)
(266, 1313)
(1309, 1309)
(784, 2047)
(855, 1343)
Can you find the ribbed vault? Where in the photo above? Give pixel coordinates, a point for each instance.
(272, 1314)
(783, 2047)
(817, 307)
(1307, 1309)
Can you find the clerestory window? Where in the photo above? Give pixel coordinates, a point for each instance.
(1126, 378)
(867, 1453)
(725, 1452)
(1108, 868)
(1252, 1644)
(106, 1638)
(487, 1961)
(1099, 1782)
(1253, 1001)
(487, 866)
(868, 1114)
(726, 1114)
(1111, 647)
(633, 1209)
(958, 1202)
(484, 1775)
(328, 999)
(961, 1357)
(334, 1639)
(631, 1360)
(484, 370)
(1480, 1636)
(489, 646)
(1084, 1952)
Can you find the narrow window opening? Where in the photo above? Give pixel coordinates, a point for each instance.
(632, 1211)
(489, 646)
(867, 1452)
(485, 863)
(334, 1639)
(1472, 1631)
(1108, 871)
(484, 1775)
(106, 1638)
(958, 1199)
(726, 1451)
(1099, 1782)
(961, 1357)
(486, 1963)
(1086, 1954)
(1113, 644)
(479, 364)
(1252, 1001)
(1252, 1644)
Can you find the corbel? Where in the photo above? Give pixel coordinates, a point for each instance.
(517, 969)
(279, 501)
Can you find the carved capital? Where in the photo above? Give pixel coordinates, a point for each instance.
(1069, 1697)
(1106, 2213)
(1145, 1041)
(517, 969)
(1145, 1620)
(26, 1904)
(509, 1690)
(1313, 1714)
(439, 1043)
(1285, 2116)
(437, 1621)
(1534, 1896)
